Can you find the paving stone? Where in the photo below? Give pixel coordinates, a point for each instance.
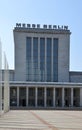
(41, 120)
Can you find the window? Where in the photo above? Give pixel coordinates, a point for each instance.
(28, 58)
(55, 59)
(42, 59)
(49, 56)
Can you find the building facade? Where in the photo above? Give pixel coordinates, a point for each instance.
(44, 54)
(41, 77)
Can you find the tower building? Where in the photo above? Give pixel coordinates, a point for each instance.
(41, 78)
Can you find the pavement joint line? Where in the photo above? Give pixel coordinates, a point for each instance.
(43, 121)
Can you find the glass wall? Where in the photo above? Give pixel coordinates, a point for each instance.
(31, 97)
(76, 97)
(40, 97)
(58, 97)
(39, 59)
(49, 97)
(22, 96)
(67, 97)
(13, 96)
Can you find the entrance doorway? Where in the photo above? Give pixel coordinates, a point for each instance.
(31, 97)
(22, 97)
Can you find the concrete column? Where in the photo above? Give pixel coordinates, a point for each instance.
(6, 85)
(27, 96)
(45, 97)
(62, 97)
(80, 97)
(72, 97)
(53, 97)
(0, 98)
(0, 78)
(17, 96)
(36, 96)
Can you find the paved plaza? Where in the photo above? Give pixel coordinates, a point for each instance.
(41, 120)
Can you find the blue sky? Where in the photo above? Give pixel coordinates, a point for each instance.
(59, 12)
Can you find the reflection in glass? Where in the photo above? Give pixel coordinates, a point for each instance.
(13, 96)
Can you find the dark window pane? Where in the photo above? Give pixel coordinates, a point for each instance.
(49, 51)
(55, 59)
(42, 59)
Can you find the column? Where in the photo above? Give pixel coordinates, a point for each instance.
(0, 89)
(0, 78)
(27, 96)
(36, 97)
(17, 96)
(80, 97)
(6, 85)
(45, 97)
(0, 98)
(53, 97)
(63, 97)
(72, 97)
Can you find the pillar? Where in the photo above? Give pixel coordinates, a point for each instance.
(72, 97)
(17, 96)
(45, 97)
(53, 97)
(0, 78)
(6, 85)
(0, 98)
(62, 97)
(80, 97)
(36, 96)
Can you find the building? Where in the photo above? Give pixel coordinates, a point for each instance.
(41, 78)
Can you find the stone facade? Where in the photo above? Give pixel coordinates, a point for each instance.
(20, 51)
(75, 77)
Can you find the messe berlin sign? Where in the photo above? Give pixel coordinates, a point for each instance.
(23, 25)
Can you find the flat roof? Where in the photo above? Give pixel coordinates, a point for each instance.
(41, 30)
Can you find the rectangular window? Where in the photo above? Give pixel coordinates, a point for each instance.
(42, 59)
(28, 58)
(35, 58)
(49, 51)
(55, 59)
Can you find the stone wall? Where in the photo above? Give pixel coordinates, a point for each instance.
(75, 77)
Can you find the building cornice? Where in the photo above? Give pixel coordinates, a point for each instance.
(41, 30)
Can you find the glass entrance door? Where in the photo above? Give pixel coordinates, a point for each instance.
(22, 97)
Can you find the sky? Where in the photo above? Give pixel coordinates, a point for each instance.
(54, 12)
